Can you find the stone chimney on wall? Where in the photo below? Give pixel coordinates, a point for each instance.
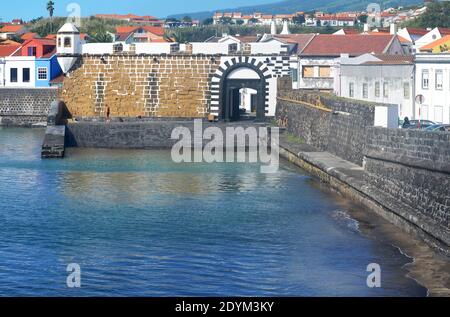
(366, 28)
(285, 30)
(393, 29)
(273, 28)
(189, 48)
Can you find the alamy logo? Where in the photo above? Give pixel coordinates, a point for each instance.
(239, 144)
(374, 278)
(74, 278)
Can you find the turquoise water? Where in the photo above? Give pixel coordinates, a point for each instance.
(140, 225)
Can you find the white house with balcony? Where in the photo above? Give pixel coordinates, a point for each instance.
(433, 83)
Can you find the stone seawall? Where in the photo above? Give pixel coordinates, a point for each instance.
(336, 125)
(414, 167)
(24, 107)
(137, 135)
(140, 85)
(408, 168)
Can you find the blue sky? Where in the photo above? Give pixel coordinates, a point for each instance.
(160, 8)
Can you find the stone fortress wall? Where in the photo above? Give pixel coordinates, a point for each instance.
(24, 107)
(404, 171)
(140, 85)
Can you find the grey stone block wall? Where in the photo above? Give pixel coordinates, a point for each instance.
(341, 130)
(410, 166)
(427, 192)
(25, 106)
(136, 135)
(311, 125)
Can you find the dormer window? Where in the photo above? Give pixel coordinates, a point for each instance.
(67, 42)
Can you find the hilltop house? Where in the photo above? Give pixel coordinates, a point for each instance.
(140, 34)
(10, 30)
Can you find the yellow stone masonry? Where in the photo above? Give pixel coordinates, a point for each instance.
(140, 85)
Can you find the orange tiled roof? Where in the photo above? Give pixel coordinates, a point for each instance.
(11, 28)
(129, 29)
(7, 50)
(353, 44)
(436, 43)
(29, 35)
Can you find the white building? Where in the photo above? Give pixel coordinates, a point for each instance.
(317, 68)
(18, 72)
(385, 79)
(433, 83)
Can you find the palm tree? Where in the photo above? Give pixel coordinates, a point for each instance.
(51, 9)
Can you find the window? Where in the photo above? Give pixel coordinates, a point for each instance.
(438, 114)
(351, 90)
(406, 91)
(365, 91)
(308, 71)
(13, 75)
(324, 71)
(294, 72)
(42, 73)
(32, 51)
(232, 48)
(439, 79)
(26, 75)
(59, 42)
(67, 42)
(425, 79)
(385, 90)
(377, 89)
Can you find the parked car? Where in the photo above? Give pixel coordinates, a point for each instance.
(438, 127)
(414, 124)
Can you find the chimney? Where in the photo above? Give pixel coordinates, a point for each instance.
(366, 28)
(393, 29)
(273, 28)
(285, 28)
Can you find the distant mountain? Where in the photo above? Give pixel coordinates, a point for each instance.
(291, 6)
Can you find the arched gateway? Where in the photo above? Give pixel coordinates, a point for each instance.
(230, 79)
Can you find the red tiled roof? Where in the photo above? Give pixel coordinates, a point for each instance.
(417, 31)
(51, 36)
(7, 50)
(29, 35)
(353, 44)
(349, 31)
(444, 31)
(386, 59)
(302, 40)
(11, 28)
(129, 29)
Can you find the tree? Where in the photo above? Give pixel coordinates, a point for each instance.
(101, 37)
(436, 15)
(363, 18)
(226, 21)
(208, 21)
(187, 19)
(51, 10)
(240, 22)
(299, 19)
(253, 21)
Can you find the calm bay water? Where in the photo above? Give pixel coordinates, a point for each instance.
(140, 225)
